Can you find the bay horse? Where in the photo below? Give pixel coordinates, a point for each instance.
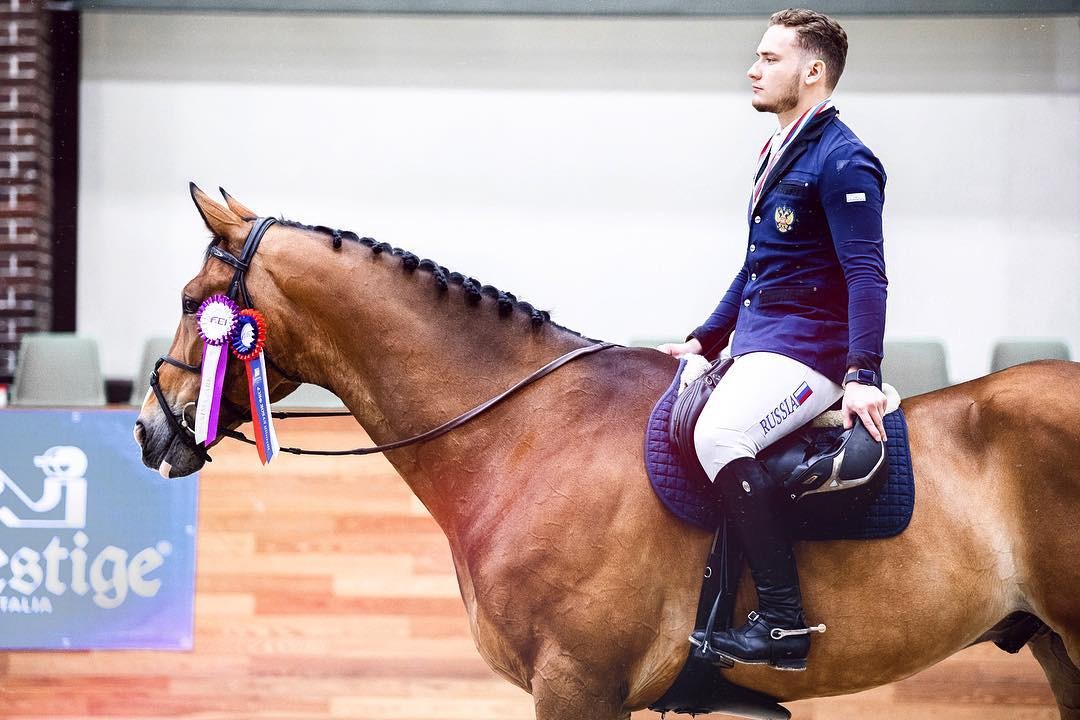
(579, 586)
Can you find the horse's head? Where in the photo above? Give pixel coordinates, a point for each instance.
(163, 429)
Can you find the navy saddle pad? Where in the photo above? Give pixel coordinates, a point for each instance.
(694, 501)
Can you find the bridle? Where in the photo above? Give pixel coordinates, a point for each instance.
(238, 293)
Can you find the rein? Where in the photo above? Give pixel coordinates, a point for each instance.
(437, 431)
(238, 291)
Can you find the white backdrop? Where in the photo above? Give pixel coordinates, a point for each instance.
(598, 168)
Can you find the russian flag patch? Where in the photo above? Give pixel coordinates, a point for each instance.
(803, 393)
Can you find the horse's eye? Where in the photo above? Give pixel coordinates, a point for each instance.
(190, 306)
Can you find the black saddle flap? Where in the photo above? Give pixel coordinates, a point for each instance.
(684, 416)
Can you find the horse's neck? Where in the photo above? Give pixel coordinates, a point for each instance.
(405, 357)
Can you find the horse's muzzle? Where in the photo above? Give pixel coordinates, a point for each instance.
(163, 450)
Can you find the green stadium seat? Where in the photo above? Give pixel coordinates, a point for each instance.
(58, 369)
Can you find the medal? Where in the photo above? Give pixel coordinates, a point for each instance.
(216, 320)
(247, 345)
(767, 161)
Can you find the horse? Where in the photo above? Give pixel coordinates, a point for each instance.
(580, 587)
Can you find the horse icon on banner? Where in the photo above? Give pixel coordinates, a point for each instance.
(65, 470)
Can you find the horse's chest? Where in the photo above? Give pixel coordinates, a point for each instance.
(491, 633)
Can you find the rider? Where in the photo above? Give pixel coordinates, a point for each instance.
(807, 309)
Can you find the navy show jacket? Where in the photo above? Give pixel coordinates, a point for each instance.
(813, 284)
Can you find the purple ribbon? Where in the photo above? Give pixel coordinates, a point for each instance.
(216, 320)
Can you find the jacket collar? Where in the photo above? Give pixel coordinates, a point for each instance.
(809, 134)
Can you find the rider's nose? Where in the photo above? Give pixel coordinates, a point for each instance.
(140, 433)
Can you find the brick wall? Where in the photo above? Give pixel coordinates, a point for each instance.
(26, 192)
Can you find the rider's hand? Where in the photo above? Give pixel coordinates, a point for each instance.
(868, 403)
(690, 347)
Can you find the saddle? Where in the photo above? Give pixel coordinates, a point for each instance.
(808, 462)
(839, 484)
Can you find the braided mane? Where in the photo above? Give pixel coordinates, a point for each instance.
(506, 302)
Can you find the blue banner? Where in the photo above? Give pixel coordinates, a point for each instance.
(96, 550)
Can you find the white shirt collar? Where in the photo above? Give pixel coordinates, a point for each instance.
(778, 138)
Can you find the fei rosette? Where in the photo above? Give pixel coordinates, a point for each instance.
(247, 345)
(216, 320)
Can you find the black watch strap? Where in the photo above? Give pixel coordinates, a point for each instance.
(863, 377)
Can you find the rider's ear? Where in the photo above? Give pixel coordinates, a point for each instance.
(815, 72)
(220, 220)
(238, 207)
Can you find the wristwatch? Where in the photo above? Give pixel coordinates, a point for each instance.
(863, 377)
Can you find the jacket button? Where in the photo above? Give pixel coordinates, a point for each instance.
(753, 247)
(753, 276)
(746, 303)
(757, 218)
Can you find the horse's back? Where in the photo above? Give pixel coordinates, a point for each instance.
(1019, 409)
(1037, 403)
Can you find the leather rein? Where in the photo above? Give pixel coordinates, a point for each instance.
(238, 292)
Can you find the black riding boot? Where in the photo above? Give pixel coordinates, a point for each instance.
(750, 499)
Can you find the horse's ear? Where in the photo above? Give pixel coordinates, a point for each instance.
(238, 207)
(220, 220)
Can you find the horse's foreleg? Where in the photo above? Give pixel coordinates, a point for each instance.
(1064, 676)
(565, 688)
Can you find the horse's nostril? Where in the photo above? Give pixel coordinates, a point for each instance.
(139, 432)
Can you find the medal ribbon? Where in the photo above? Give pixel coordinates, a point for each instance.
(216, 320)
(769, 162)
(247, 345)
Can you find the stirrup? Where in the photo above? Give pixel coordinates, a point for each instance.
(705, 652)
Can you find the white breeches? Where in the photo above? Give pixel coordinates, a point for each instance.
(762, 397)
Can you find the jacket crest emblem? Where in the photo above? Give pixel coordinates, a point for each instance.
(784, 217)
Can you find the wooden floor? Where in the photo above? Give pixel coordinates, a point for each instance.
(324, 590)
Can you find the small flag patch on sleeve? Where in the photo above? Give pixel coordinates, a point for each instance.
(803, 393)
(856, 197)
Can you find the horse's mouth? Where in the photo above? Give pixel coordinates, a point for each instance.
(165, 451)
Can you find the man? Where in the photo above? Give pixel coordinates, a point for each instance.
(808, 314)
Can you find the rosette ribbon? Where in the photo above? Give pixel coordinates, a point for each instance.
(216, 320)
(247, 345)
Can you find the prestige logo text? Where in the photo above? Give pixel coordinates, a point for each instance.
(32, 579)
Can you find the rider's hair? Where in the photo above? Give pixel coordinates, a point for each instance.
(818, 35)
